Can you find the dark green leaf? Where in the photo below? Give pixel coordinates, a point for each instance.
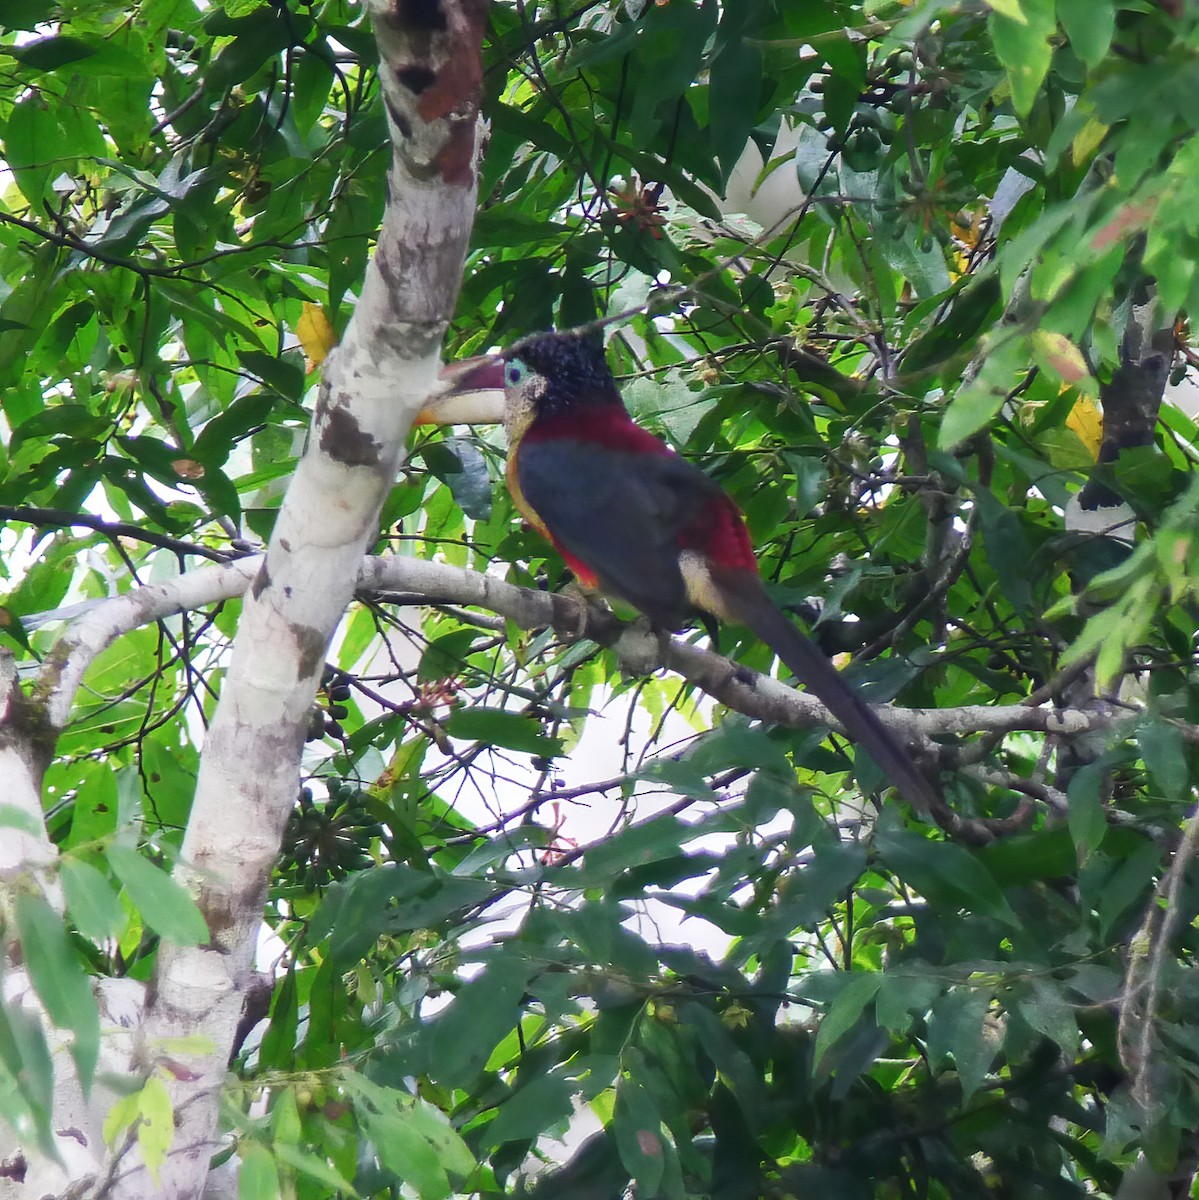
(945, 873)
(1087, 818)
(1045, 1008)
(226, 429)
(1164, 752)
(857, 991)
(957, 1029)
(638, 1127)
(482, 1012)
(59, 980)
(906, 992)
(471, 484)
(735, 81)
(286, 377)
(530, 1111)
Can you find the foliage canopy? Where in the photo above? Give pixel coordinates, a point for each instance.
(896, 380)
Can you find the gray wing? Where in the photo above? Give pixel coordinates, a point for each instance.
(621, 514)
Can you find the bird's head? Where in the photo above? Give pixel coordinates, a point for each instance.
(548, 374)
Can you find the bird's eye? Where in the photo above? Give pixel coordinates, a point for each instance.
(514, 372)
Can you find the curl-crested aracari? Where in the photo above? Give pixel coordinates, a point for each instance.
(633, 519)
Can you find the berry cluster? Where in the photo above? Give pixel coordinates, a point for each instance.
(326, 841)
(331, 707)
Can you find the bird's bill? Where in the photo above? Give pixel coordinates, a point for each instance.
(470, 392)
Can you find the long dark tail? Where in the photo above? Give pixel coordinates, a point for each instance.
(748, 602)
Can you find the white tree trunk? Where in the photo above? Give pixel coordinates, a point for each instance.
(373, 385)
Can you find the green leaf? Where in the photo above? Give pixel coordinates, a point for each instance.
(412, 1159)
(471, 484)
(1125, 888)
(1024, 49)
(495, 228)
(310, 1164)
(1018, 861)
(918, 258)
(1008, 549)
(530, 1111)
(807, 895)
(735, 82)
(857, 991)
(61, 418)
(93, 904)
(906, 991)
(1087, 819)
(286, 377)
(944, 872)
(27, 1098)
(975, 301)
(34, 149)
(156, 1129)
(59, 981)
(483, 1011)
(279, 1040)
(12, 817)
(957, 1029)
(84, 56)
(669, 50)
(1045, 1008)
(736, 1068)
(1164, 751)
(979, 400)
(497, 727)
(638, 1126)
(257, 1176)
(391, 898)
(452, 1152)
(1089, 24)
(413, 1140)
(218, 438)
(636, 846)
(164, 905)
(50, 53)
(26, 14)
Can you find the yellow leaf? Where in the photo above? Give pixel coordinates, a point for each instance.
(157, 1129)
(1086, 421)
(120, 1117)
(316, 334)
(736, 1016)
(1087, 140)
(1061, 354)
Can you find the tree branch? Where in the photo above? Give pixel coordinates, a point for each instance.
(110, 529)
(422, 582)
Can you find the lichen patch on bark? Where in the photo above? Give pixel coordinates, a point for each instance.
(345, 441)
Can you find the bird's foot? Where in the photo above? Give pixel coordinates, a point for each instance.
(591, 613)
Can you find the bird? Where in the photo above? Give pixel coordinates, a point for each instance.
(639, 523)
